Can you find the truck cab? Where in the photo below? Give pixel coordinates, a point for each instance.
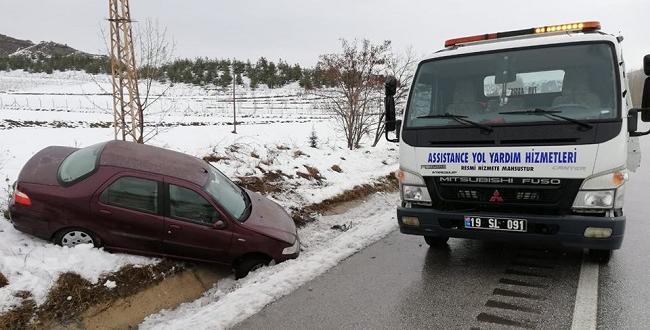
(520, 135)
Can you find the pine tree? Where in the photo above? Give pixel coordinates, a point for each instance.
(313, 138)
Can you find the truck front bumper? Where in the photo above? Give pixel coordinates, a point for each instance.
(567, 230)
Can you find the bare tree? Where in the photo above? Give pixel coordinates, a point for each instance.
(154, 48)
(402, 67)
(356, 74)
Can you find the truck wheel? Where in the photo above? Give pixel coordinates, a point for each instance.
(250, 264)
(601, 256)
(436, 241)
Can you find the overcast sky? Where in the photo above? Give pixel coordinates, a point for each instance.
(300, 30)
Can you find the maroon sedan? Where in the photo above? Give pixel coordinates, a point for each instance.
(135, 198)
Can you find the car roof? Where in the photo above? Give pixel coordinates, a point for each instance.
(146, 158)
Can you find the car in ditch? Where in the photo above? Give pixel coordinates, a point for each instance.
(141, 199)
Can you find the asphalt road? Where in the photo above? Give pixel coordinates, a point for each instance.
(399, 283)
(624, 300)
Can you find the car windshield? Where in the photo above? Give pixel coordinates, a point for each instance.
(80, 163)
(578, 81)
(227, 194)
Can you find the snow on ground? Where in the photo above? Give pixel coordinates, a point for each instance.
(231, 302)
(32, 265)
(279, 139)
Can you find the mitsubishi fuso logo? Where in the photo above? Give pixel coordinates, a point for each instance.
(496, 197)
(501, 180)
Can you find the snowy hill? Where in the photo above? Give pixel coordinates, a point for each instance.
(15, 47)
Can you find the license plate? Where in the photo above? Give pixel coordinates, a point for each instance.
(493, 223)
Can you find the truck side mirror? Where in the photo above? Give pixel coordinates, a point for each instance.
(389, 103)
(645, 97)
(645, 100)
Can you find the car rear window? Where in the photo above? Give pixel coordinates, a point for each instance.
(80, 164)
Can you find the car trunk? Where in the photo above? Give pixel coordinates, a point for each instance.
(43, 166)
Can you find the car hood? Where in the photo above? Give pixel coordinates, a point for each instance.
(42, 168)
(270, 219)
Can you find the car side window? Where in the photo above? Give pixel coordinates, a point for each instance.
(186, 204)
(132, 193)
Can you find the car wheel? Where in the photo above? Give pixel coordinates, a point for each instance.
(75, 236)
(250, 264)
(601, 256)
(436, 241)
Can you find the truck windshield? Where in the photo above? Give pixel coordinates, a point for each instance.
(578, 81)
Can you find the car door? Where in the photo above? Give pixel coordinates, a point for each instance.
(190, 218)
(128, 209)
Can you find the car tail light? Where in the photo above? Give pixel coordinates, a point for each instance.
(21, 198)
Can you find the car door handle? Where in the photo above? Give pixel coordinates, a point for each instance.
(175, 227)
(105, 212)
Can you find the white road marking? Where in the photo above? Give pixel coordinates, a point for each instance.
(585, 311)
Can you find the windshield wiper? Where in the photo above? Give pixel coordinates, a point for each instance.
(550, 113)
(460, 119)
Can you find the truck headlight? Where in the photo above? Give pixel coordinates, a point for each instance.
(292, 249)
(595, 199)
(413, 187)
(415, 194)
(602, 192)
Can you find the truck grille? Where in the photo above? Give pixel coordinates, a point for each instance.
(503, 194)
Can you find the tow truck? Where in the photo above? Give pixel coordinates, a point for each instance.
(525, 135)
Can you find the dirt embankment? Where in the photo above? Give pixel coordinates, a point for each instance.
(386, 183)
(3, 280)
(72, 295)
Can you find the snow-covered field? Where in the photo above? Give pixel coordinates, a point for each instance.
(275, 137)
(80, 99)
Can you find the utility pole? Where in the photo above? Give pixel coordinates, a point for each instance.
(127, 109)
(234, 102)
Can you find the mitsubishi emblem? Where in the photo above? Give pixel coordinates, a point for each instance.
(496, 197)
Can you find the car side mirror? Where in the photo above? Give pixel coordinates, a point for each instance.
(219, 224)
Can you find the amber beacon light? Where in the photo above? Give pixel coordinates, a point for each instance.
(569, 27)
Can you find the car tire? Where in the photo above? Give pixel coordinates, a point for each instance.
(250, 264)
(436, 241)
(71, 237)
(600, 256)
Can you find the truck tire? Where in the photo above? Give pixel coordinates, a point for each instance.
(600, 256)
(436, 241)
